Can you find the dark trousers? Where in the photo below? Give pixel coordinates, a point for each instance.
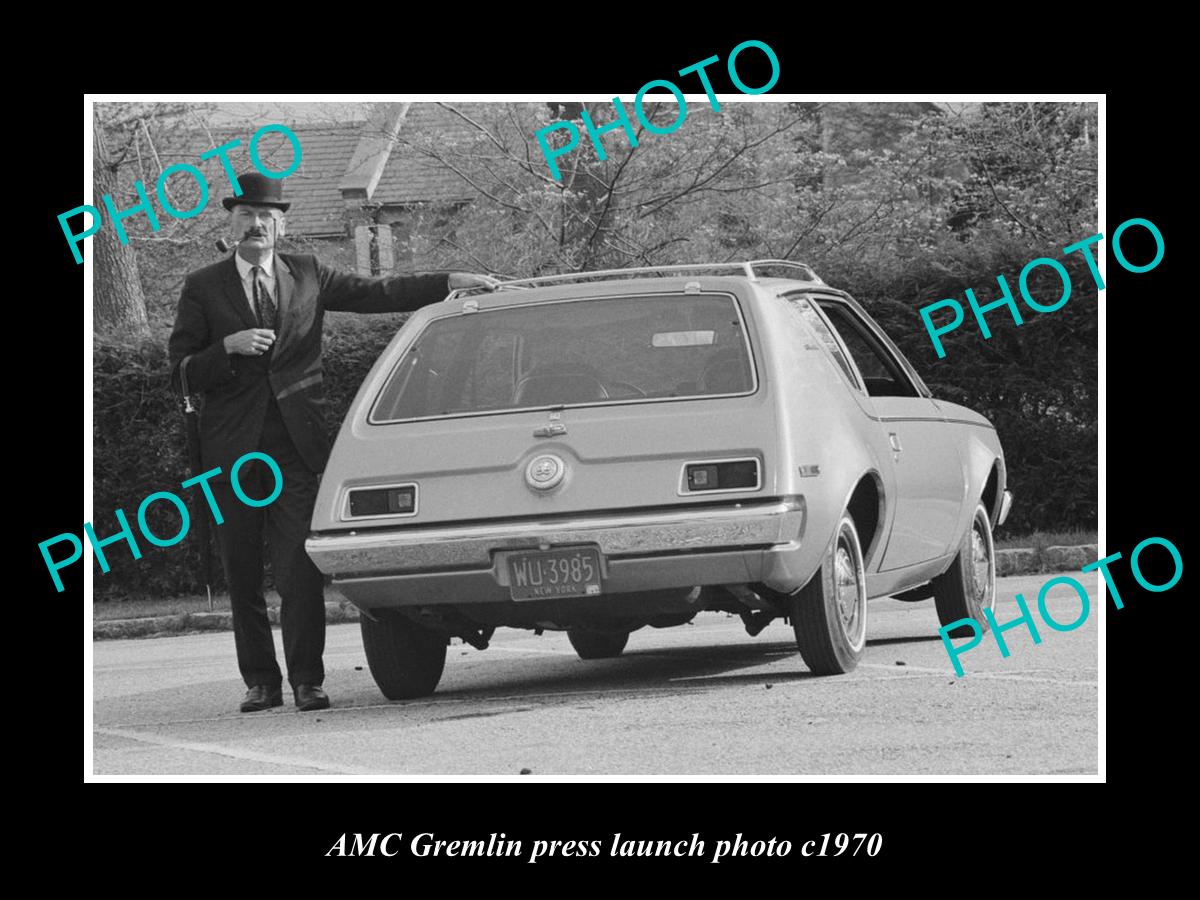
(285, 524)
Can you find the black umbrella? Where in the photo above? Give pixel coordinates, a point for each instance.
(191, 414)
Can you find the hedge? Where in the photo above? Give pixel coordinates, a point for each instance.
(1036, 382)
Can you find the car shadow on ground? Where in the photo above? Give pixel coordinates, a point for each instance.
(635, 670)
(508, 673)
(650, 670)
(919, 639)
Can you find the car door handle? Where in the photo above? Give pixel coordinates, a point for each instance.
(895, 441)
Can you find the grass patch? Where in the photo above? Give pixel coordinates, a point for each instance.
(149, 608)
(1040, 540)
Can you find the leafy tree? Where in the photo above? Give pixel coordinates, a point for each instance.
(126, 142)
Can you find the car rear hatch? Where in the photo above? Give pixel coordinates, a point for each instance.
(594, 404)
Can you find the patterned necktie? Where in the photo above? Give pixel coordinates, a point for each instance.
(264, 305)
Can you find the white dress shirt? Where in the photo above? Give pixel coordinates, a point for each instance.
(246, 272)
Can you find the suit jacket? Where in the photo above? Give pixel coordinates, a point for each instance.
(237, 388)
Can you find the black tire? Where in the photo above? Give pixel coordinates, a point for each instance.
(830, 633)
(405, 659)
(597, 644)
(958, 592)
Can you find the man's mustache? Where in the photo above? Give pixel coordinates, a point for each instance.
(225, 245)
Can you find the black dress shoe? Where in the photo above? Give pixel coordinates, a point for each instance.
(310, 697)
(261, 697)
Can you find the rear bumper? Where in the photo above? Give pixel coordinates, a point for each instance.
(640, 552)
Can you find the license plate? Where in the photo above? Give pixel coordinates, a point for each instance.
(554, 574)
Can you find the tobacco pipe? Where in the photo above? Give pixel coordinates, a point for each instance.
(225, 245)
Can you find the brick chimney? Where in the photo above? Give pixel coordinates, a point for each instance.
(373, 242)
(365, 168)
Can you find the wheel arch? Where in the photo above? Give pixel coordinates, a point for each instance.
(984, 475)
(993, 490)
(868, 507)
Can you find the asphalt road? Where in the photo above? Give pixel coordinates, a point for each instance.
(692, 700)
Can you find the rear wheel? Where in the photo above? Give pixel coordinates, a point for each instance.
(597, 644)
(406, 660)
(968, 587)
(829, 614)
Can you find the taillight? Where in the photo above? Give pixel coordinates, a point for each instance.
(398, 500)
(722, 475)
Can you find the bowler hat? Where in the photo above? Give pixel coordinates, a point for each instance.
(258, 188)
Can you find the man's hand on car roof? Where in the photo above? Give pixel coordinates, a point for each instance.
(466, 280)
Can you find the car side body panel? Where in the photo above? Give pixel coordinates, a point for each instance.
(821, 426)
(930, 481)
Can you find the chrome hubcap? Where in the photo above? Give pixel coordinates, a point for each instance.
(979, 559)
(983, 562)
(850, 590)
(847, 587)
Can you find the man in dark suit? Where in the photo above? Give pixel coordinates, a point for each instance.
(248, 336)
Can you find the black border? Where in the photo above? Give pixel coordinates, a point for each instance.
(947, 830)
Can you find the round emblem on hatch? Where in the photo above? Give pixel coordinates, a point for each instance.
(545, 472)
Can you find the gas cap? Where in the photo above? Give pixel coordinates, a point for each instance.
(545, 472)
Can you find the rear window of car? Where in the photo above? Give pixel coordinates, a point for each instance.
(571, 353)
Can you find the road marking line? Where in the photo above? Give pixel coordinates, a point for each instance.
(1001, 676)
(245, 755)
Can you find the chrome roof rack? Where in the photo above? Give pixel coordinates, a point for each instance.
(803, 273)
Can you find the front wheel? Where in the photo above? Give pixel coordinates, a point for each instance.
(406, 660)
(829, 614)
(968, 587)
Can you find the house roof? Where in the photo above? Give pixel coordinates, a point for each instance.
(317, 208)
(412, 176)
(409, 176)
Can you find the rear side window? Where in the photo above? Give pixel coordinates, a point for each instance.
(881, 372)
(803, 308)
(583, 352)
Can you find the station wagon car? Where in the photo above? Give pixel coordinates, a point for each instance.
(604, 451)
